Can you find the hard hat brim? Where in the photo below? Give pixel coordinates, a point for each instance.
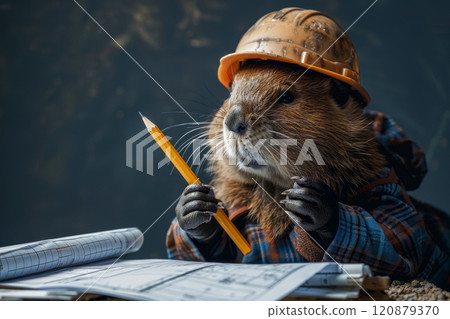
(230, 63)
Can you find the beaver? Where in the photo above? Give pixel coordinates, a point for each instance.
(354, 208)
(315, 107)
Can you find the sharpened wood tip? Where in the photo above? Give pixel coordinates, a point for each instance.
(149, 124)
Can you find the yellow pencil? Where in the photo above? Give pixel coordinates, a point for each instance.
(191, 178)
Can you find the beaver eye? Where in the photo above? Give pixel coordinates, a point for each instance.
(286, 98)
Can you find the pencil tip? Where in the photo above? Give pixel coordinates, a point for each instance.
(141, 114)
(149, 124)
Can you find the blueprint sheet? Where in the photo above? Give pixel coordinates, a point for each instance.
(26, 259)
(335, 281)
(161, 279)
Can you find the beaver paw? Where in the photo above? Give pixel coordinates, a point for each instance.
(312, 206)
(195, 209)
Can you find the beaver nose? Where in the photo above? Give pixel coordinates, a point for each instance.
(234, 121)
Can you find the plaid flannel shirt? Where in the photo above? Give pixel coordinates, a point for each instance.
(381, 226)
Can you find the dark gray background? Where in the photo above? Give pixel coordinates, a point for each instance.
(69, 99)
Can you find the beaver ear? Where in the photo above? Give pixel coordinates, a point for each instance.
(340, 92)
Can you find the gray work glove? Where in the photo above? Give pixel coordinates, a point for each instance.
(313, 206)
(195, 211)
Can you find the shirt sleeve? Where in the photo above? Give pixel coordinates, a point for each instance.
(387, 234)
(181, 246)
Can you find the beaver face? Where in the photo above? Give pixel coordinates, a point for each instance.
(269, 115)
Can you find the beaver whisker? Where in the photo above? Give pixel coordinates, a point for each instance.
(193, 138)
(220, 143)
(187, 133)
(186, 144)
(197, 154)
(206, 145)
(203, 160)
(182, 150)
(281, 125)
(275, 149)
(271, 148)
(201, 148)
(184, 124)
(220, 117)
(270, 155)
(207, 128)
(282, 134)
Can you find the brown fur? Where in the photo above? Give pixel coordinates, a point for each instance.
(340, 133)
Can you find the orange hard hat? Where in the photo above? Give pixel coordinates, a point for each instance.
(304, 37)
